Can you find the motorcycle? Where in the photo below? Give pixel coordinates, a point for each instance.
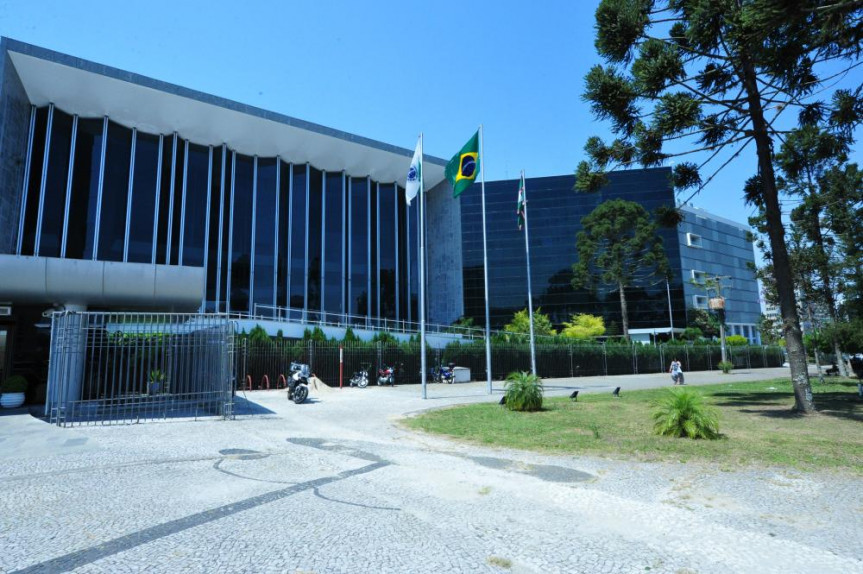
(360, 378)
(443, 374)
(387, 376)
(298, 382)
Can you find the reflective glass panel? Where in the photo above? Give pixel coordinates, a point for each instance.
(85, 190)
(115, 193)
(387, 253)
(226, 229)
(413, 256)
(333, 272)
(164, 203)
(144, 193)
(374, 307)
(284, 232)
(315, 231)
(298, 238)
(54, 207)
(265, 229)
(177, 202)
(194, 229)
(241, 246)
(359, 237)
(404, 288)
(34, 184)
(213, 247)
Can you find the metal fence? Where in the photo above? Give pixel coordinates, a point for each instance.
(110, 368)
(264, 364)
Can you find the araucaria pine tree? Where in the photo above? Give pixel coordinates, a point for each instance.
(712, 77)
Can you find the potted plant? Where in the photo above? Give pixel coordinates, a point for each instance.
(13, 390)
(156, 381)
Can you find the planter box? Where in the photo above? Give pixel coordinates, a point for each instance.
(11, 400)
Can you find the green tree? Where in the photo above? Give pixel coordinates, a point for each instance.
(706, 322)
(718, 74)
(807, 156)
(521, 323)
(618, 245)
(770, 330)
(844, 211)
(583, 326)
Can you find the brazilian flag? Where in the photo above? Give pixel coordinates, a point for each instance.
(462, 169)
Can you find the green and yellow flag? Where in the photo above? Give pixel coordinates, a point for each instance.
(462, 169)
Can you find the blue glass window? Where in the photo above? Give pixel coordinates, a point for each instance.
(298, 238)
(359, 236)
(315, 241)
(194, 228)
(164, 202)
(241, 246)
(54, 207)
(31, 209)
(85, 190)
(282, 285)
(144, 193)
(265, 229)
(213, 246)
(387, 254)
(115, 193)
(333, 272)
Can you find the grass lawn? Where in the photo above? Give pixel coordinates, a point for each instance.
(755, 420)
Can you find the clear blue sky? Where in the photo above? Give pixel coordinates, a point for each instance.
(385, 70)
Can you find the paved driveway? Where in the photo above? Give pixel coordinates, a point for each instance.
(335, 485)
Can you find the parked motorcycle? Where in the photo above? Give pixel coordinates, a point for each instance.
(298, 382)
(387, 376)
(443, 374)
(360, 378)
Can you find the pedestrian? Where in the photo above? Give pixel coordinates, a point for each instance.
(676, 371)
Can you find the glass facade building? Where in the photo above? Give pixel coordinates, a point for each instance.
(555, 212)
(712, 246)
(268, 232)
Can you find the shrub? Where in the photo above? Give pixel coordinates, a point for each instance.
(14, 384)
(523, 391)
(682, 413)
(725, 366)
(736, 341)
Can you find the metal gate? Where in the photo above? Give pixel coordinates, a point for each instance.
(121, 368)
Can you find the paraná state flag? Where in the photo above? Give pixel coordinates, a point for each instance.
(415, 173)
(519, 210)
(462, 169)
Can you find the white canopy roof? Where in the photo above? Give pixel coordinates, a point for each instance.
(92, 90)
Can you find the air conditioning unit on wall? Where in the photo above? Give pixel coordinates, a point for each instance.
(5, 310)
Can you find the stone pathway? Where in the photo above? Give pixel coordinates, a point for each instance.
(336, 485)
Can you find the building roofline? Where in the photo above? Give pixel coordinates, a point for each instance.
(704, 213)
(12, 45)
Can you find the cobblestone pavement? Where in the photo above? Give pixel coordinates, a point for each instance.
(336, 485)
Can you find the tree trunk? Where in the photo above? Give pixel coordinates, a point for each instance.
(624, 317)
(803, 401)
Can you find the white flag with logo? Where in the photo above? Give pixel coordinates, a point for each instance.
(415, 174)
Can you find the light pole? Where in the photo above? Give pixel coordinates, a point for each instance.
(718, 304)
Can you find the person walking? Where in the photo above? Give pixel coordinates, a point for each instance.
(676, 371)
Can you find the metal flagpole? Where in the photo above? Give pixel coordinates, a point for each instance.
(422, 277)
(529, 294)
(485, 264)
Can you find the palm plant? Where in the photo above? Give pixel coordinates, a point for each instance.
(523, 391)
(682, 413)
